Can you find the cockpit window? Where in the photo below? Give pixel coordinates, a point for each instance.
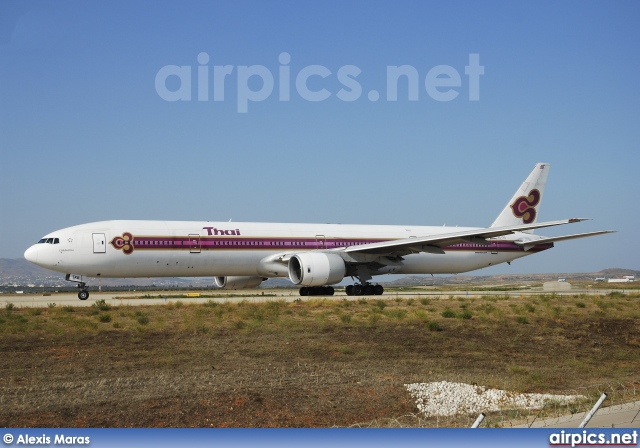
(49, 241)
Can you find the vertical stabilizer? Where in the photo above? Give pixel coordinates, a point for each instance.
(525, 203)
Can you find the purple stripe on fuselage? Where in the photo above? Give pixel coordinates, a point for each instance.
(212, 243)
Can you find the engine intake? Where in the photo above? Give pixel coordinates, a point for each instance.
(316, 269)
(238, 282)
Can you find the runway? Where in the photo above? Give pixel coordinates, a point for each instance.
(134, 298)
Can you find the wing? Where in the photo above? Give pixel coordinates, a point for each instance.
(435, 243)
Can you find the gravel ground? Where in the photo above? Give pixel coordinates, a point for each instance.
(446, 399)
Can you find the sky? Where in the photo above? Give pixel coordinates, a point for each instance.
(286, 111)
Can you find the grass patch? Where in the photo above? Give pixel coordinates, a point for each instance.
(517, 370)
(397, 314)
(448, 314)
(101, 305)
(530, 307)
(381, 304)
(346, 350)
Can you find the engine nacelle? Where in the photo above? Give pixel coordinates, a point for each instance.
(316, 269)
(238, 282)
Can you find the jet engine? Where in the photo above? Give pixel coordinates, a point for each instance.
(238, 282)
(316, 269)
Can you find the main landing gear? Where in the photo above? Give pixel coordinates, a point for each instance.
(316, 291)
(367, 290)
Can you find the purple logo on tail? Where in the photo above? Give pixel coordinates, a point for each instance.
(525, 206)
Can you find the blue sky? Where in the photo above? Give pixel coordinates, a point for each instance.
(86, 136)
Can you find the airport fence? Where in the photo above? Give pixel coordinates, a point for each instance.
(623, 396)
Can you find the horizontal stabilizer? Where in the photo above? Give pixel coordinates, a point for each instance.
(529, 244)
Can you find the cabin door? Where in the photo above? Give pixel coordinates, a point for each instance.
(99, 243)
(194, 243)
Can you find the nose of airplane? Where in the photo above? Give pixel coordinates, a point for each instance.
(31, 254)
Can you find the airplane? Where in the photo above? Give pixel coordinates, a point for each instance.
(315, 256)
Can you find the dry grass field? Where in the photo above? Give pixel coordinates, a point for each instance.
(311, 363)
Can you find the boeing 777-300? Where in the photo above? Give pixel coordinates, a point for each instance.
(315, 256)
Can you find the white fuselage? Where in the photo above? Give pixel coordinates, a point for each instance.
(193, 249)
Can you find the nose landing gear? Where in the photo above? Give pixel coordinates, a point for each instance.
(83, 294)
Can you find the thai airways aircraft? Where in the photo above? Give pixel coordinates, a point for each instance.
(314, 256)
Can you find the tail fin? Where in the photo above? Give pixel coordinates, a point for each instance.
(523, 206)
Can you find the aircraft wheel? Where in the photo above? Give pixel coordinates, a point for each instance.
(369, 290)
(378, 290)
(357, 290)
(304, 291)
(330, 290)
(349, 290)
(83, 295)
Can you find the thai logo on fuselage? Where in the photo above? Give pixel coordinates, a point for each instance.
(124, 243)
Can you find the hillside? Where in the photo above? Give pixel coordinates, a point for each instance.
(17, 272)
(422, 280)
(18, 267)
